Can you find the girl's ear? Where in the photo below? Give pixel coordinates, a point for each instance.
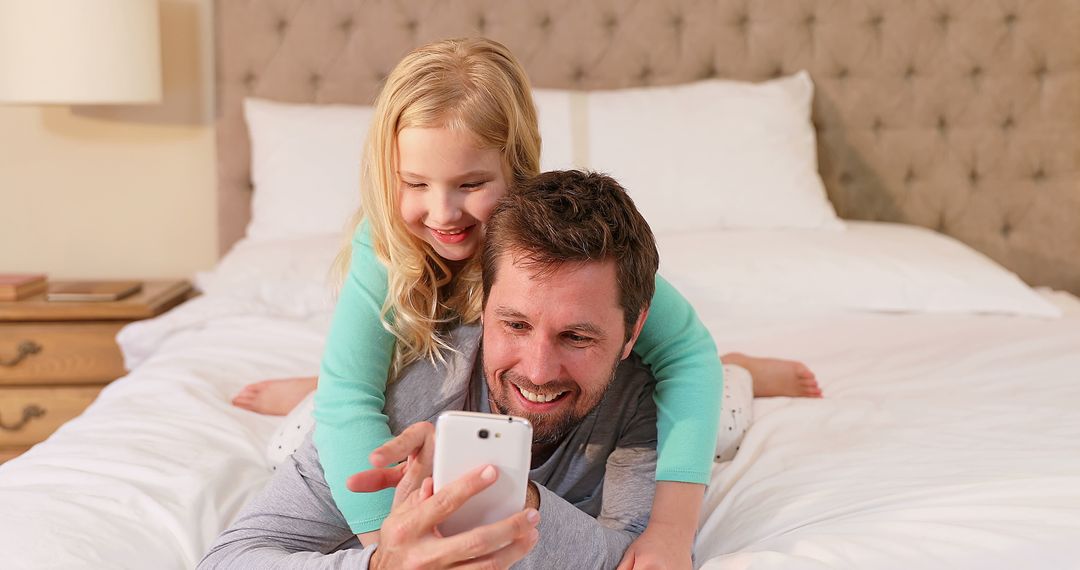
(640, 324)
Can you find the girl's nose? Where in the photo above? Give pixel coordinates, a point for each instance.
(443, 208)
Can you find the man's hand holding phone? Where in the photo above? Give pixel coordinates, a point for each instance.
(410, 537)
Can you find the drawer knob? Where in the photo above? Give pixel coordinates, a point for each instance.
(29, 412)
(26, 348)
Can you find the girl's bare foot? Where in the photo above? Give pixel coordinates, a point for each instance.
(274, 397)
(777, 377)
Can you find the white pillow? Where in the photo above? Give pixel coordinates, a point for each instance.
(713, 154)
(305, 164)
(305, 161)
(870, 267)
(555, 117)
(293, 276)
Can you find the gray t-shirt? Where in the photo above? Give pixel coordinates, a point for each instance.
(596, 488)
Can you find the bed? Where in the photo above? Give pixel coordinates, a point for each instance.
(945, 136)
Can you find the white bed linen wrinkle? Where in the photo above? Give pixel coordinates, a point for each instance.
(161, 459)
(942, 442)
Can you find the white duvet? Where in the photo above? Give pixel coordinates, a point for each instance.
(944, 440)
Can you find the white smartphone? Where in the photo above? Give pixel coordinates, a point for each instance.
(467, 440)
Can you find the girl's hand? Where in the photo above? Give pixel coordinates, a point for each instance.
(660, 547)
(668, 541)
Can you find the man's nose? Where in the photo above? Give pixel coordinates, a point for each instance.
(443, 208)
(540, 363)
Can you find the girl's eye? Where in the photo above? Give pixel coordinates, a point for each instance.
(472, 185)
(515, 325)
(418, 185)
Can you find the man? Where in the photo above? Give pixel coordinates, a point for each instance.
(569, 268)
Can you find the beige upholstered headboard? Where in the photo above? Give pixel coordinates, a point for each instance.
(958, 115)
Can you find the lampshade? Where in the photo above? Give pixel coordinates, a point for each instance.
(79, 51)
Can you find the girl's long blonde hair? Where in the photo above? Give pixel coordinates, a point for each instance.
(473, 85)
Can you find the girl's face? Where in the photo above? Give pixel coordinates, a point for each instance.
(448, 187)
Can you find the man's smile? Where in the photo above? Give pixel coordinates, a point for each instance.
(537, 398)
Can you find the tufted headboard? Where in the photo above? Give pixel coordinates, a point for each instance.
(957, 115)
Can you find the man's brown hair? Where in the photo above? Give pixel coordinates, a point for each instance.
(570, 216)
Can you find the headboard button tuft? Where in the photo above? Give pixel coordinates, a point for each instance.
(709, 71)
(943, 20)
(578, 74)
(1041, 71)
(610, 23)
(943, 125)
(742, 21)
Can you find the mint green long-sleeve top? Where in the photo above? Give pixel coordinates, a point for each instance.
(349, 400)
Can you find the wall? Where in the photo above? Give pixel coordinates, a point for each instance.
(125, 191)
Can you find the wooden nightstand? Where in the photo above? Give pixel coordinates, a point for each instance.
(56, 356)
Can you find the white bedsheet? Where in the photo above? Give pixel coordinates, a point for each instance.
(944, 441)
(150, 473)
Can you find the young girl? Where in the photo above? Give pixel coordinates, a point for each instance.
(454, 129)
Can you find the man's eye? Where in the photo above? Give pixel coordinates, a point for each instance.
(578, 339)
(516, 326)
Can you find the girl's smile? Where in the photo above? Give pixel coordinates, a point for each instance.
(451, 236)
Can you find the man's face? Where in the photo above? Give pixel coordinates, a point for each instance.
(552, 342)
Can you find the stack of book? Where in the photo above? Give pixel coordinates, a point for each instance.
(93, 290)
(19, 286)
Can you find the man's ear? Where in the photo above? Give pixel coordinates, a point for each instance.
(635, 333)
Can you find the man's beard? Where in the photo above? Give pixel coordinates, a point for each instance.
(552, 427)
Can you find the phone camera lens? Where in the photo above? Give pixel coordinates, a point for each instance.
(483, 434)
